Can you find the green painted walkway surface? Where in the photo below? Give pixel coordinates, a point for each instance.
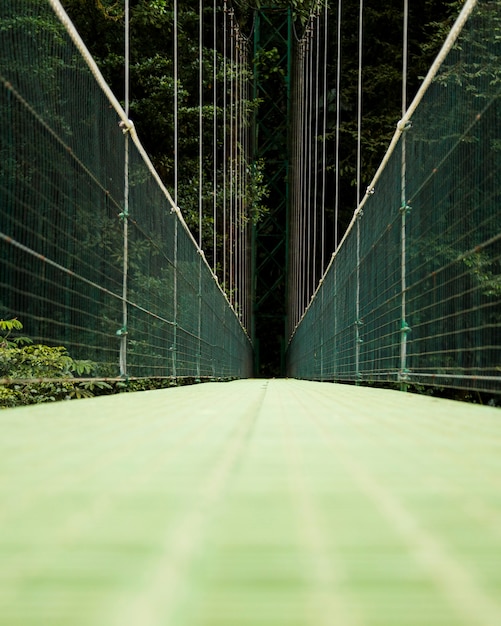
(252, 503)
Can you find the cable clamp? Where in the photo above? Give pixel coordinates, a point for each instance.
(404, 125)
(126, 126)
(123, 215)
(405, 208)
(370, 191)
(404, 375)
(122, 331)
(405, 328)
(359, 322)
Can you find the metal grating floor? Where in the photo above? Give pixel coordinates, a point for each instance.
(251, 503)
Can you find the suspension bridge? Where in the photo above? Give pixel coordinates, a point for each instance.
(249, 500)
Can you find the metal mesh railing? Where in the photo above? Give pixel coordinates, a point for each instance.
(94, 255)
(413, 294)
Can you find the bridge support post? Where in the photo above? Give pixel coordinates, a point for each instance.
(272, 84)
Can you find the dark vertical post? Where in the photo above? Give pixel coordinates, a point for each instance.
(272, 72)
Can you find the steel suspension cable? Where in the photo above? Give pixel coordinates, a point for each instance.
(200, 122)
(296, 250)
(176, 158)
(302, 261)
(324, 131)
(309, 205)
(358, 321)
(125, 213)
(359, 99)
(236, 182)
(315, 162)
(242, 177)
(232, 139)
(225, 135)
(214, 137)
(302, 230)
(404, 208)
(176, 170)
(338, 122)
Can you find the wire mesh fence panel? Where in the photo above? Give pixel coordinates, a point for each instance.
(93, 254)
(380, 278)
(454, 296)
(426, 298)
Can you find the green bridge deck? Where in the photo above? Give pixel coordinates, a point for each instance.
(251, 503)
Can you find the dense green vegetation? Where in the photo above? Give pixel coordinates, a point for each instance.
(36, 373)
(152, 45)
(101, 25)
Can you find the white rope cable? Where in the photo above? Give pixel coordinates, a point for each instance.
(437, 63)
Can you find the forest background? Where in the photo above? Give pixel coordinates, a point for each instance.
(101, 26)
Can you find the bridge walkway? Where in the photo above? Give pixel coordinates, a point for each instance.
(251, 503)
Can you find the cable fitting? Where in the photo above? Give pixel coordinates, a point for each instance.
(404, 125)
(404, 375)
(405, 328)
(121, 332)
(405, 208)
(126, 126)
(359, 322)
(370, 191)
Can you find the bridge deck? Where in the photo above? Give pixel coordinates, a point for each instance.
(251, 503)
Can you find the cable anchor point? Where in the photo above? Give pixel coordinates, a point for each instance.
(405, 328)
(126, 126)
(404, 125)
(404, 376)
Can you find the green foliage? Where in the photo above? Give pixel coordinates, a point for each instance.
(7, 338)
(257, 191)
(37, 373)
(152, 91)
(40, 373)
